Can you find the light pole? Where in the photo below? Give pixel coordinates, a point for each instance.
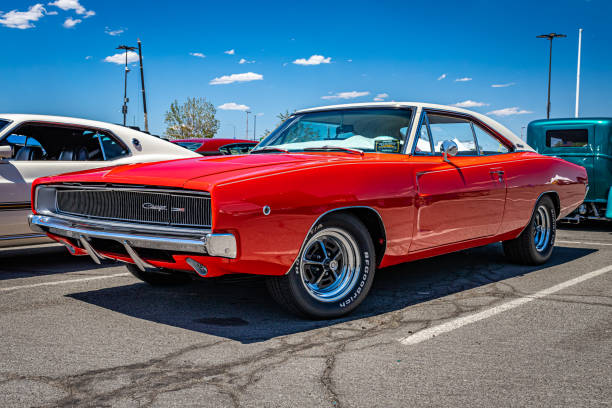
(550, 37)
(578, 72)
(255, 127)
(144, 97)
(247, 124)
(124, 108)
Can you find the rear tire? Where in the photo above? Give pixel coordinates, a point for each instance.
(536, 243)
(160, 278)
(333, 273)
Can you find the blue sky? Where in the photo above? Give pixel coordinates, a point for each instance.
(405, 50)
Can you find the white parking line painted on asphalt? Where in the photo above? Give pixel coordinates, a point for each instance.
(35, 285)
(431, 332)
(584, 243)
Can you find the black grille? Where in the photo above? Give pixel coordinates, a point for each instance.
(151, 207)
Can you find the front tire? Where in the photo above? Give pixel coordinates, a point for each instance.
(160, 278)
(333, 273)
(536, 243)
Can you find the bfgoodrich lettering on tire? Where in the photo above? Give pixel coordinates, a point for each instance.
(535, 244)
(333, 273)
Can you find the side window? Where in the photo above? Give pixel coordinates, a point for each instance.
(454, 129)
(237, 148)
(487, 143)
(38, 141)
(423, 145)
(567, 138)
(112, 149)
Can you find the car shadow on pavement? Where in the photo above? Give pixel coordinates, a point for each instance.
(27, 262)
(241, 309)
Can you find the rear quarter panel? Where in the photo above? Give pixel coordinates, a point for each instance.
(529, 175)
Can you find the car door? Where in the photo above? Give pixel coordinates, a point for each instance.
(462, 198)
(42, 150)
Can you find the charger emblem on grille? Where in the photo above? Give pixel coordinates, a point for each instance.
(150, 206)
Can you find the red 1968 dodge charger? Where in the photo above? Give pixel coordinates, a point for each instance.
(330, 196)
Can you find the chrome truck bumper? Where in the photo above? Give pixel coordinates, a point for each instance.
(202, 242)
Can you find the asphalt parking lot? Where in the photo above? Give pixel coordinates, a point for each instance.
(462, 329)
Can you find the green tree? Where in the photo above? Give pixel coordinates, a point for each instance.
(193, 119)
(283, 116)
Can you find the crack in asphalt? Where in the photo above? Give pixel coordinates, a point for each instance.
(146, 381)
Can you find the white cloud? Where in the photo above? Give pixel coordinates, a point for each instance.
(313, 60)
(88, 57)
(73, 5)
(349, 60)
(346, 95)
(22, 19)
(464, 79)
(509, 112)
(243, 61)
(119, 58)
(470, 104)
(233, 106)
(113, 33)
(502, 85)
(230, 52)
(71, 22)
(229, 79)
(441, 77)
(381, 97)
(197, 54)
(52, 13)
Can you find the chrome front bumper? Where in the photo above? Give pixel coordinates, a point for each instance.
(203, 242)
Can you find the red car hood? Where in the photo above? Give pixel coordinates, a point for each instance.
(177, 173)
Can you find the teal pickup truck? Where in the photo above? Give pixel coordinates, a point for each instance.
(588, 143)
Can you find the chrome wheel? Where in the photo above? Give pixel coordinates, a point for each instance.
(330, 265)
(542, 230)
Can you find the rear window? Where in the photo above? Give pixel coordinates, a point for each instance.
(193, 146)
(567, 138)
(3, 123)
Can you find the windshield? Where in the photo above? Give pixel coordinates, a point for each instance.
(368, 130)
(189, 145)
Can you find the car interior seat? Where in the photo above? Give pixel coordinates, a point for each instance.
(29, 153)
(78, 153)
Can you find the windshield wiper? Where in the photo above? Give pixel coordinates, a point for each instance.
(334, 148)
(269, 149)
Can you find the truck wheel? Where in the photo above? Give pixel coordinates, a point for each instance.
(535, 244)
(158, 278)
(333, 272)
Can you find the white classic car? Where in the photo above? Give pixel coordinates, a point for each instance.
(33, 146)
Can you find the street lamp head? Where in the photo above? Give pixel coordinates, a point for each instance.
(551, 36)
(126, 47)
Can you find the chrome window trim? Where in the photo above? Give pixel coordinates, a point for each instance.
(409, 135)
(416, 138)
(482, 125)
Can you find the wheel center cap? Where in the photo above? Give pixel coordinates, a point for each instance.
(333, 265)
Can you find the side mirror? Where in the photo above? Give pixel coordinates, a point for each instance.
(449, 148)
(6, 152)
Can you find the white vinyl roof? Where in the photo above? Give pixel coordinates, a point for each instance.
(518, 143)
